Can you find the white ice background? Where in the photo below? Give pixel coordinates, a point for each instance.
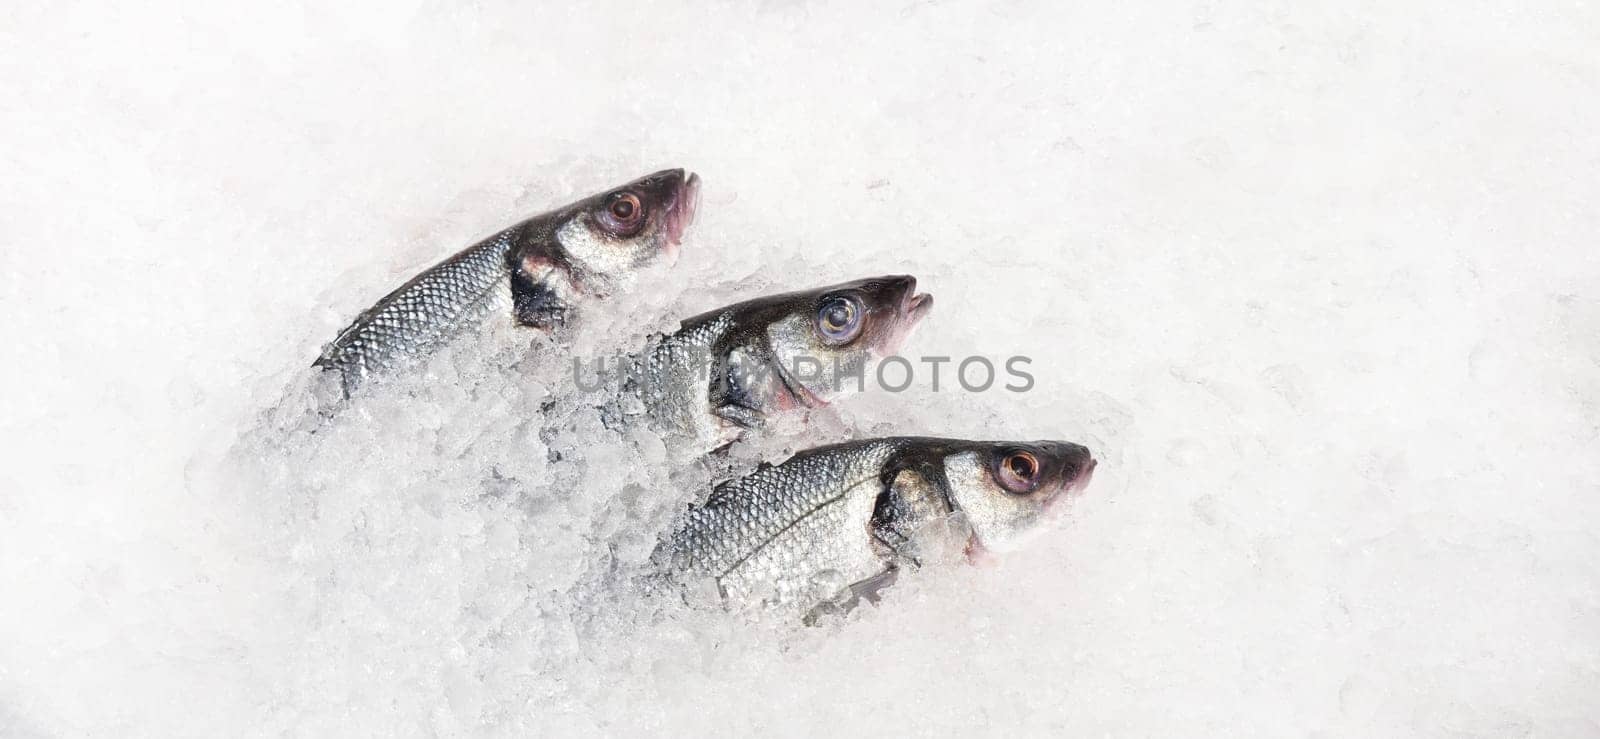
(1317, 281)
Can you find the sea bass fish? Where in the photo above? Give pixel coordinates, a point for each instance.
(835, 523)
(533, 274)
(726, 371)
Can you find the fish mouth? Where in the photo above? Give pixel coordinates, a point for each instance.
(1072, 488)
(909, 311)
(918, 306)
(682, 211)
(1081, 481)
(914, 305)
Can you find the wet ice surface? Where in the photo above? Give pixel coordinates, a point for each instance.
(1317, 283)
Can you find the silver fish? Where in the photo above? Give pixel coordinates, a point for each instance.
(834, 524)
(535, 271)
(728, 370)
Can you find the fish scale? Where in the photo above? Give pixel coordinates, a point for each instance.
(675, 376)
(525, 273)
(429, 310)
(773, 529)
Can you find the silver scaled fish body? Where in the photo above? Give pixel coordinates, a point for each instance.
(533, 274)
(834, 524)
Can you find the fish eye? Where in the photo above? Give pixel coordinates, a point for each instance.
(622, 214)
(839, 319)
(1018, 472)
(626, 207)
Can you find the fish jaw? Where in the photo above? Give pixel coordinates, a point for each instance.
(912, 308)
(681, 214)
(1071, 489)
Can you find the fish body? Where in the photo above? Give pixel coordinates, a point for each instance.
(837, 522)
(729, 370)
(532, 274)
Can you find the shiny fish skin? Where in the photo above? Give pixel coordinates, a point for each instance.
(727, 371)
(532, 274)
(833, 521)
(425, 312)
(775, 532)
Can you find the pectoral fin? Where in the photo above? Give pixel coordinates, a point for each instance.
(869, 590)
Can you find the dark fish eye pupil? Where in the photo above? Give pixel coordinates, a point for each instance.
(1021, 466)
(838, 314)
(622, 209)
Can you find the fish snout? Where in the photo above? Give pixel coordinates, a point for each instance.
(683, 202)
(901, 294)
(1075, 466)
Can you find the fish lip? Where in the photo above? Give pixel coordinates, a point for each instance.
(914, 305)
(1081, 482)
(904, 314)
(683, 209)
(918, 306)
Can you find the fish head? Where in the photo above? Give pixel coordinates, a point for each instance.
(611, 235)
(1005, 490)
(822, 337)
